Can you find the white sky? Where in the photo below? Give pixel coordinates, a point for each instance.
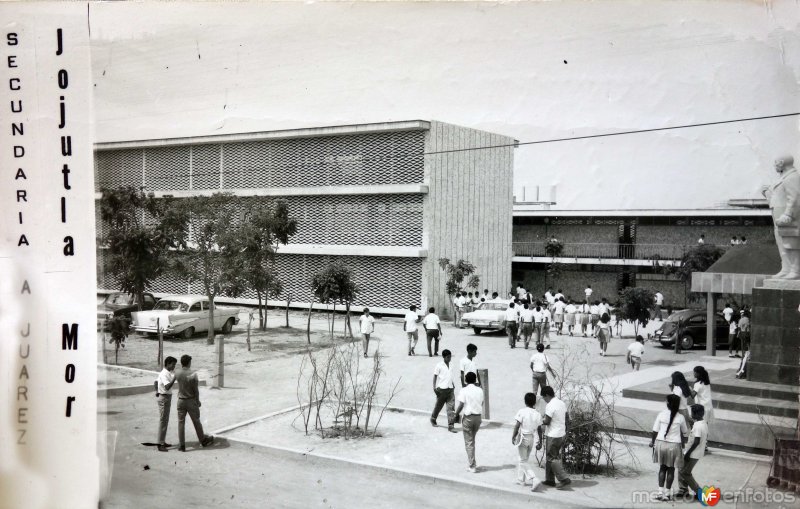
(172, 69)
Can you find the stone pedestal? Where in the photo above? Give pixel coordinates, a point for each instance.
(775, 333)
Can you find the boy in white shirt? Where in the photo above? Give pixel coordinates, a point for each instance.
(444, 390)
(546, 319)
(635, 353)
(527, 321)
(527, 422)
(410, 326)
(459, 303)
(433, 331)
(367, 326)
(166, 379)
(512, 324)
(699, 439)
(468, 365)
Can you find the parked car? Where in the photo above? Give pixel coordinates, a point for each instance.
(694, 328)
(183, 315)
(490, 315)
(121, 304)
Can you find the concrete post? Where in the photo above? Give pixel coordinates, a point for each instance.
(220, 361)
(484, 376)
(711, 324)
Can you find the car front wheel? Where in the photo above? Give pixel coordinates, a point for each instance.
(477, 331)
(228, 327)
(687, 342)
(188, 333)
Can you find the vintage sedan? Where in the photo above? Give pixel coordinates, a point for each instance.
(183, 315)
(490, 315)
(693, 330)
(121, 305)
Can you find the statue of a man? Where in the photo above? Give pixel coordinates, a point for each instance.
(784, 200)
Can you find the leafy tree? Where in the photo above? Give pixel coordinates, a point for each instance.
(554, 248)
(332, 285)
(456, 274)
(210, 253)
(141, 231)
(118, 326)
(259, 237)
(696, 259)
(635, 305)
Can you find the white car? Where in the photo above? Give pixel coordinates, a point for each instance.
(490, 315)
(183, 315)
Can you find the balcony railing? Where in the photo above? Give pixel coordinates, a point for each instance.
(606, 250)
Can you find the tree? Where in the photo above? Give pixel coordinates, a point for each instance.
(335, 284)
(553, 249)
(696, 259)
(141, 232)
(635, 305)
(208, 249)
(118, 327)
(456, 274)
(262, 232)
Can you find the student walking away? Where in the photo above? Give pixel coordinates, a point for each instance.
(527, 320)
(697, 449)
(680, 388)
(540, 365)
(166, 379)
(603, 333)
(583, 317)
(410, 326)
(588, 292)
(521, 292)
(733, 336)
(559, 308)
(470, 402)
(701, 392)
(570, 317)
(527, 435)
(550, 298)
(702, 239)
(538, 323)
(546, 319)
(189, 403)
(603, 307)
(367, 326)
(556, 419)
(444, 390)
(512, 322)
(468, 365)
(744, 337)
(476, 301)
(459, 303)
(659, 298)
(594, 309)
(666, 440)
(727, 312)
(635, 353)
(433, 331)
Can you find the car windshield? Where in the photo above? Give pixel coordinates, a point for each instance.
(493, 306)
(169, 305)
(121, 299)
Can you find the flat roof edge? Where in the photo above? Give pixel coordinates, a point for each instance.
(643, 213)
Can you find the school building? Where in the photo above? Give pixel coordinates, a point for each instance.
(614, 249)
(388, 199)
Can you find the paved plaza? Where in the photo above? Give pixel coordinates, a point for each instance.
(263, 458)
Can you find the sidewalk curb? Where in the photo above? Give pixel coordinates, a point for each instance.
(452, 482)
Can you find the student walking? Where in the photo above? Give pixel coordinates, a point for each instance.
(527, 320)
(583, 317)
(680, 388)
(458, 304)
(556, 418)
(546, 319)
(444, 390)
(594, 309)
(433, 331)
(701, 392)
(570, 317)
(538, 319)
(558, 313)
(512, 324)
(468, 365)
(527, 435)
(540, 365)
(635, 353)
(603, 333)
(410, 326)
(695, 452)
(470, 401)
(366, 325)
(733, 337)
(166, 379)
(666, 440)
(659, 298)
(189, 403)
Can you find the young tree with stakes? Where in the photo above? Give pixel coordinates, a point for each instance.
(332, 285)
(635, 305)
(456, 274)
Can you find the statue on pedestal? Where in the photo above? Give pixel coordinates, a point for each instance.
(784, 200)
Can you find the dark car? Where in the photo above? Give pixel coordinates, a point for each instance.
(121, 305)
(693, 329)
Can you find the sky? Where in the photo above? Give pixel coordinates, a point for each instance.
(531, 70)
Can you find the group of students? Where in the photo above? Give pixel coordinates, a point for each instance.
(673, 429)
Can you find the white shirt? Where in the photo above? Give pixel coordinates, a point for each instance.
(701, 241)
(659, 298)
(636, 349)
(472, 397)
(559, 306)
(444, 378)
(527, 315)
(703, 396)
(460, 301)
(588, 292)
(570, 309)
(539, 361)
(732, 328)
(674, 434)
(367, 324)
(538, 316)
(549, 297)
(678, 392)
(511, 314)
(468, 365)
(521, 293)
(602, 309)
(165, 377)
(431, 321)
(699, 430)
(529, 420)
(558, 296)
(546, 316)
(557, 411)
(727, 313)
(411, 321)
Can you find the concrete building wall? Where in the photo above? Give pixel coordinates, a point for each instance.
(568, 234)
(468, 212)
(571, 281)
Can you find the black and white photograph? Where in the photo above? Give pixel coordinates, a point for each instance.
(400, 254)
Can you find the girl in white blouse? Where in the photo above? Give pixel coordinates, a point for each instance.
(669, 430)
